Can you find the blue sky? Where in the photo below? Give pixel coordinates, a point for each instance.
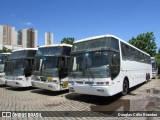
(83, 18)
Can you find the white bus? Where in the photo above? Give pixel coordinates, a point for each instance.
(154, 67)
(51, 67)
(106, 65)
(3, 60)
(19, 67)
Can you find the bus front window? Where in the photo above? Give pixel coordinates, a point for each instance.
(153, 65)
(18, 67)
(1, 64)
(37, 66)
(91, 64)
(15, 67)
(49, 66)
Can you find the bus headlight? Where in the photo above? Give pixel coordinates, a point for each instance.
(99, 83)
(102, 83)
(32, 77)
(18, 78)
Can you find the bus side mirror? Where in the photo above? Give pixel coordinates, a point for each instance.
(26, 64)
(115, 65)
(67, 62)
(114, 59)
(112, 74)
(60, 64)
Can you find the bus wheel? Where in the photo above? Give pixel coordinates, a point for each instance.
(147, 77)
(125, 87)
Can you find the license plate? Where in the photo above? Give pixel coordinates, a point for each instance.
(65, 84)
(49, 78)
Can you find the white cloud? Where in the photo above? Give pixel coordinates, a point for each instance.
(26, 23)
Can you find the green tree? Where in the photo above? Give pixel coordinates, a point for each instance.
(157, 56)
(145, 42)
(68, 40)
(5, 50)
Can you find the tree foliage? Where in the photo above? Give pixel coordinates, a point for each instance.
(145, 42)
(5, 50)
(68, 40)
(157, 56)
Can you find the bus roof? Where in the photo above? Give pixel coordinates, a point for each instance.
(153, 58)
(25, 49)
(108, 35)
(56, 45)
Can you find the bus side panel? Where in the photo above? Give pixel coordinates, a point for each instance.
(135, 71)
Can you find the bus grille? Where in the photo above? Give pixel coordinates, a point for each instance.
(89, 82)
(79, 82)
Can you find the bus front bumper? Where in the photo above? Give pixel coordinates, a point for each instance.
(154, 75)
(91, 90)
(46, 85)
(2, 80)
(18, 83)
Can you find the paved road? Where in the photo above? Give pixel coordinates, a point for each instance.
(143, 97)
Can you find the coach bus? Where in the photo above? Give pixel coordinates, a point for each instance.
(154, 67)
(19, 67)
(3, 60)
(51, 67)
(106, 65)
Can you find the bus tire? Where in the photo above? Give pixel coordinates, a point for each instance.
(147, 77)
(125, 87)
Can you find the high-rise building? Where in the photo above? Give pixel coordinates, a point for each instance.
(8, 37)
(28, 38)
(12, 39)
(48, 38)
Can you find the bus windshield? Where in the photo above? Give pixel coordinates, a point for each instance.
(46, 65)
(49, 66)
(1, 63)
(3, 59)
(15, 67)
(153, 65)
(90, 64)
(153, 61)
